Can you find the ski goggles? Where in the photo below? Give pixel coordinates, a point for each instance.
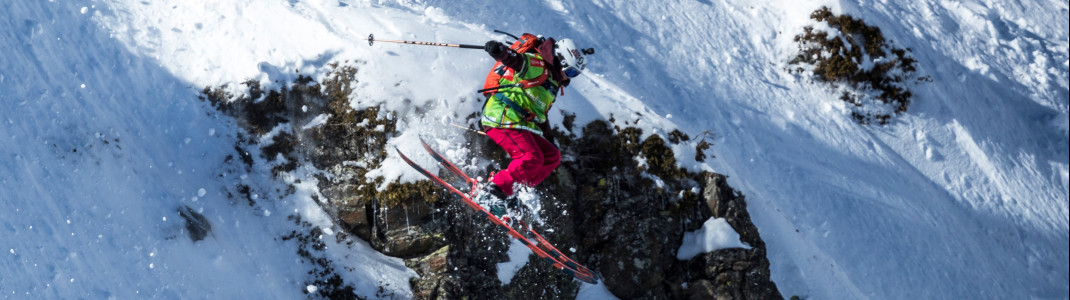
(571, 72)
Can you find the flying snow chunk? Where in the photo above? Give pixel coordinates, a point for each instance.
(311, 289)
(84, 10)
(714, 235)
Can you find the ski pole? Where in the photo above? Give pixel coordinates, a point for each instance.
(468, 129)
(371, 40)
(506, 33)
(499, 87)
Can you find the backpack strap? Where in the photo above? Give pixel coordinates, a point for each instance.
(527, 84)
(546, 50)
(528, 116)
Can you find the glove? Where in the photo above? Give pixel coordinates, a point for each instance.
(495, 49)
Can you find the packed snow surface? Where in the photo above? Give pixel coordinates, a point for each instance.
(714, 235)
(103, 138)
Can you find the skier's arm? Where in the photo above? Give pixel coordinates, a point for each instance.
(507, 56)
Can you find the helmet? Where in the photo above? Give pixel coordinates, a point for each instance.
(570, 56)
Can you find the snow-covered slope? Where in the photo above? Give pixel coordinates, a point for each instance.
(966, 195)
(100, 147)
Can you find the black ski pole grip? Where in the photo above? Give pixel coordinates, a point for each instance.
(499, 87)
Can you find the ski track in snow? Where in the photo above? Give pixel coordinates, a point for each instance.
(964, 196)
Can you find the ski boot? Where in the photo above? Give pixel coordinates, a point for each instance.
(505, 207)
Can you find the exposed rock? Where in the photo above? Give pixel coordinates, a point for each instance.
(628, 227)
(401, 231)
(432, 269)
(701, 289)
(621, 218)
(310, 247)
(737, 273)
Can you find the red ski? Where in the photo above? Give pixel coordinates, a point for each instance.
(539, 246)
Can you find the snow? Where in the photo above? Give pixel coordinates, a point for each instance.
(100, 147)
(317, 121)
(964, 196)
(595, 292)
(518, 257)
(714, 235)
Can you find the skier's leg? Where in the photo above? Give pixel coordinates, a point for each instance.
(551, 157)
(527, 158)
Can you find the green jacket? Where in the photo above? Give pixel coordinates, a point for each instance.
(516, 107)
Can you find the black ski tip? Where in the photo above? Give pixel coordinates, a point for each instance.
(403, 157)
(593, 279)
(587, 280)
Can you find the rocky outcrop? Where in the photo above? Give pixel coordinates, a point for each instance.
(728, 273)
(622, 218)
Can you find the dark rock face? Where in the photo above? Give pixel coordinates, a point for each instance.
(729, 273)
(630, 227)
(400, 231)
(623, 219)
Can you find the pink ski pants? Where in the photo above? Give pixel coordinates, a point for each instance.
(533, 158)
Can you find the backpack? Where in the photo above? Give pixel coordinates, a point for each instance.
(526, 43)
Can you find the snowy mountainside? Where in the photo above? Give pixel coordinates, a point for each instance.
(101, 147)
(971, 182)
(964, 195)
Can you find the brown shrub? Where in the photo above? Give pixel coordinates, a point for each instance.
(877, 92)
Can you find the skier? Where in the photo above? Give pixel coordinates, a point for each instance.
(515, 113)
(520, 90)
